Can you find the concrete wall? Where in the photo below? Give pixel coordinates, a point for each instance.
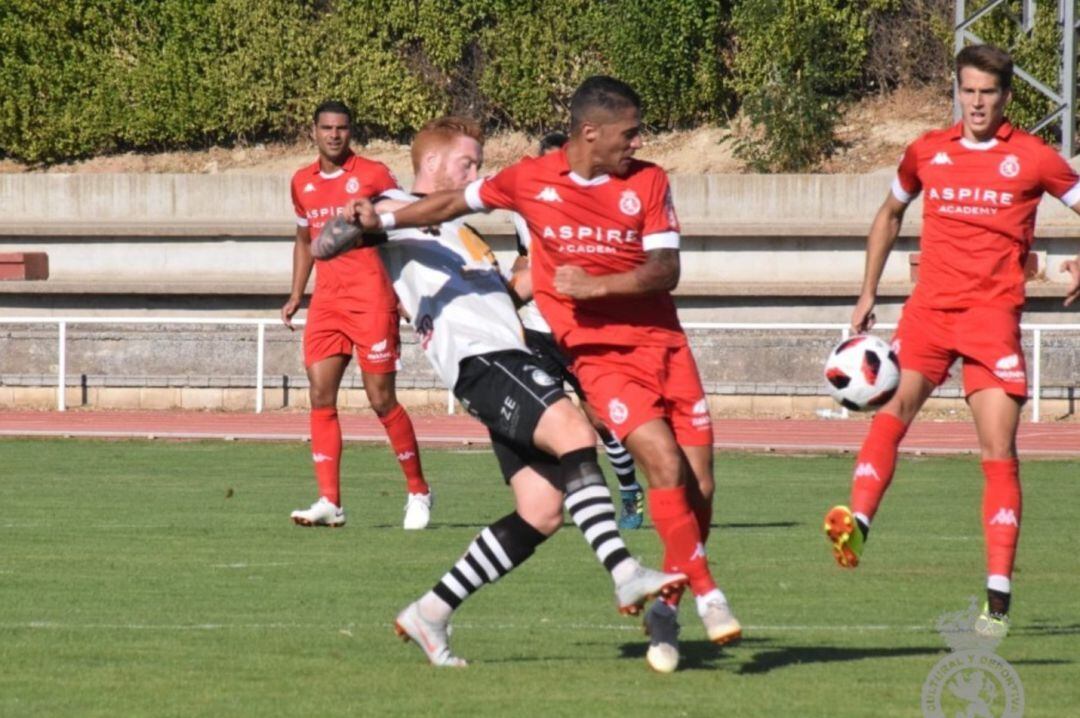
(220, 229)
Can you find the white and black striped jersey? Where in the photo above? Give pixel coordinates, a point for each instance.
(448, 282)
(529, 313)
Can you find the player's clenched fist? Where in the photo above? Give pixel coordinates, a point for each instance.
(574, 282)
(362, 213)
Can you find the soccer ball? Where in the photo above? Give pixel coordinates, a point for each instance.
(862, 372)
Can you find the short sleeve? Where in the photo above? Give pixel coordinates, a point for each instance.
(907, 184)
(495, 192)
(301, 216)
(383, 179)
(661, 227)
(1058, 178)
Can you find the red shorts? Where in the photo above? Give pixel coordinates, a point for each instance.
(372, 336)
(986, 338)
(627, 387)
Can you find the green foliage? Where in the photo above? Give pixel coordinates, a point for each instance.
(796, 60)
(86, 77)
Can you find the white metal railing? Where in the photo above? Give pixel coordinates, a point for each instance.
(261, 324)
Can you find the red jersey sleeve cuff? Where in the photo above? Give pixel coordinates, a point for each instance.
(901, 194)
(660, 240)
(1071, 197)
(472, 196)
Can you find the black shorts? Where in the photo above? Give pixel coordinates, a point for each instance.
(509, 392)
(551, 359)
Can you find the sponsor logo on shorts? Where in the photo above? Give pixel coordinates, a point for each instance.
(1004, 517)
(541, 377)
(1008, 368)
(701, 419)
(352, 186)
(617, 412)
(1010, 166)
(378, 351)
(866, 470)
(629, 203)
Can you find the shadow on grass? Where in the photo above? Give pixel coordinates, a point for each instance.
(693, 655)
(770, 660)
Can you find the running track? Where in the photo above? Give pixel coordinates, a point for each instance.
(1060, 439)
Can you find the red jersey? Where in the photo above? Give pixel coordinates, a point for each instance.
(355, 280)
(979, 204)
(604, 225)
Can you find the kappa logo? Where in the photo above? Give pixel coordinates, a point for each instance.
(406, 455)
(629, 203)
(1010, 362)
(866, 470)
(701, 407)
(379, 346)
(941, 158)
(549, 194)
(699, 552)
(352, 186)
(1010, 166)
(618, 412)
(1004, 517)
(321, 458)
(309, 188)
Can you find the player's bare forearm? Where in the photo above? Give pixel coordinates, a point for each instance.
(520, 284)
(659, 273)
(301, 271)
(436, 208)
(338, 236)
(879, 243)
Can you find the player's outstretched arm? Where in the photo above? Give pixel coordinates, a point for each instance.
(658, 273)
(879, 243)
(436, 208)
(301, 270)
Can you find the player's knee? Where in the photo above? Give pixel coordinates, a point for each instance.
(321, 397)
(382, 404)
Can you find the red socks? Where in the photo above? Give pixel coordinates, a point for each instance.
(876, 463)
(684, 547)
(1001, 515)
(399, 429)
(326, 452)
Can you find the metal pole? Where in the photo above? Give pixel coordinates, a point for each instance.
(260, 358)
(61, 367)
(1036, 376)
(449, 402)
(1068, 76)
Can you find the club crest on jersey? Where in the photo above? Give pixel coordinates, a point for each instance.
(629, 203)
(352, 186)
(617, 411)
(1010, 166)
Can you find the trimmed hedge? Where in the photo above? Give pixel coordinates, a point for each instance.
(85, 77)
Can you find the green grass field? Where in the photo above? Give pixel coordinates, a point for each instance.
(153, 578)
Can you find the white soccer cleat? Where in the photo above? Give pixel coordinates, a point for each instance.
(431, 636)
(418, 511)
(662, 628)
(720, 623)
(645, 584)
(322, 513)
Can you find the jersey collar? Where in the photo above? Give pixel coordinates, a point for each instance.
(1004, 132)
(346, 166)
(564, 168)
